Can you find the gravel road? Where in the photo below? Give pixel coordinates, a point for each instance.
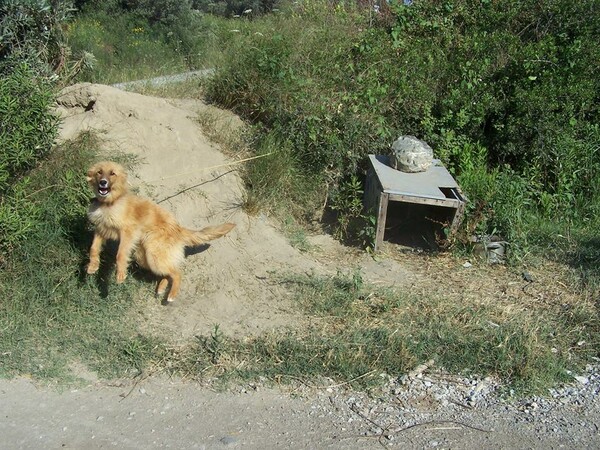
(420, 410)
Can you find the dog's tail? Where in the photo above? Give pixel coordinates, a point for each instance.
(192, 237)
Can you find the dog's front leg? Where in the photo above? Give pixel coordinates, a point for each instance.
(126, 243)
(95, 250)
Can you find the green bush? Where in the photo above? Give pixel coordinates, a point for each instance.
(28, 127)
(505, 92)
(294, 79)
(32, 31)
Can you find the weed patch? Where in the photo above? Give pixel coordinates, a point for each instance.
(358, 330)
(333, 83)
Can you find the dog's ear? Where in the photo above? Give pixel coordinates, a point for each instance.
(90, 173)
(120, 172)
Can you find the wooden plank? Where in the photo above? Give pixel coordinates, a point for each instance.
(457, 220)
(372, 191)
(449, 203)
(381, 218)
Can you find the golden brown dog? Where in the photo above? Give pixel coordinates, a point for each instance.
(140, 226)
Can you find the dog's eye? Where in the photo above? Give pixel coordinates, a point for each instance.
(99, 172)
(112, 173)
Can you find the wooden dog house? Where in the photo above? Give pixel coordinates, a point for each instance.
(435, 190)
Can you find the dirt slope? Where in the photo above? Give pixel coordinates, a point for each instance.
(225, 283)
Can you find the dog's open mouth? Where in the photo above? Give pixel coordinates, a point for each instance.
(103, 191)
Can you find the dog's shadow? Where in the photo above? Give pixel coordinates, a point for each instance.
(105, 276)
(190, 251)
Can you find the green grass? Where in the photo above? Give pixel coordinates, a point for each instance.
(296, 234)
(52, 313)
(123, 49)
(358, 331)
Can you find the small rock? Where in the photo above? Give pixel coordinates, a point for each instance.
(228, 440)
(533, 405)
(582, 380)
(527, 276)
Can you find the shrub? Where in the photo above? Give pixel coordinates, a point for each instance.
(517, 78)
(143, 37)
(503, 91)
(28, 127)
(32, 31)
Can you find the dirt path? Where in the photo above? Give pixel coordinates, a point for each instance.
(230, 284)
(161, 413)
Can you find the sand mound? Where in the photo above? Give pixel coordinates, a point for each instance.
(227, 284)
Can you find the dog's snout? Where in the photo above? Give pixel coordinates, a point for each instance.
(103, 183)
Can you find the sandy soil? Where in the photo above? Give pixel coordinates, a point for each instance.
(231, 283)
(178, 167)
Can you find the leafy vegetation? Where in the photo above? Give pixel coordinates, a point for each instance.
(32, 32)
(30, 49)
(28, 129)
(505, 92)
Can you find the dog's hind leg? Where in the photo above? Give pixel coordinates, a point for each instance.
(175, 277)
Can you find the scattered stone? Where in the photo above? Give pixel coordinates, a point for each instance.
(527, 277)
(420, 369)
(228, 440)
